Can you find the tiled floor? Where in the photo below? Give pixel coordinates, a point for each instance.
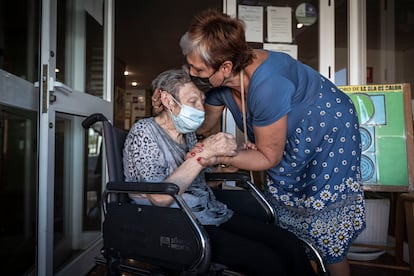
(356, 270)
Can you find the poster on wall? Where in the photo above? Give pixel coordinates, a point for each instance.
(279, 24)
(385, 117)
(253, 18)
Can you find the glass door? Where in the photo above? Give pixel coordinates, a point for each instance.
(18, 136)
(75, 46)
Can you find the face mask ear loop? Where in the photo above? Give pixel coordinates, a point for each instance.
(176, 101)
(244, 115)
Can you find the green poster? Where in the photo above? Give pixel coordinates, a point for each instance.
(381, 113)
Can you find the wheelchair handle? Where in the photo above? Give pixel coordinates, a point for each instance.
(93, 118)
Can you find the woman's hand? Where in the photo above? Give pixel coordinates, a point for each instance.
(220, 144)
(224, 161)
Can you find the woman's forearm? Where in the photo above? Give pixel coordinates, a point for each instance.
(252, 160)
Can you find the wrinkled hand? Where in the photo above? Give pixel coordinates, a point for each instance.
(220, 144)
(212, 161)
(198, 147)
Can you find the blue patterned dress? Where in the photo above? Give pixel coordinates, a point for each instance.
(316, 189)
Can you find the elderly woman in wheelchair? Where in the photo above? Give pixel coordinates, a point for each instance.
(155, 150)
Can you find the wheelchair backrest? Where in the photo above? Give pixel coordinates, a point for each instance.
(114, 144)
(114, 139)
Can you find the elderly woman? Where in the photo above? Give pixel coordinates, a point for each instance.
(155, 150)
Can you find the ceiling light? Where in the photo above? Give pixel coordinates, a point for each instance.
(126, 73)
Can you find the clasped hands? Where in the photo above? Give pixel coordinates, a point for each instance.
(217, 149)
(209, 151)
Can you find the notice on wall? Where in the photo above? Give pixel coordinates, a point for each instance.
(279, 24)
(253, 19)
(289, 49)
(385, 117)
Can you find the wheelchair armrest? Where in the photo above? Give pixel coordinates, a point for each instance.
(117, 191)
(139, 230)
(222, 176)
(143, 187)
(240, 178)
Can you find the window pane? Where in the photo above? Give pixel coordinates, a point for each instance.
(404, 42)
(77, 212)
(19, 38)
(94, 56)
(390, 47)
(341, 43)
(18, 191)
(79, 51)
(93, 187)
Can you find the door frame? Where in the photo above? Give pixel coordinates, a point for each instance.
(56, 98)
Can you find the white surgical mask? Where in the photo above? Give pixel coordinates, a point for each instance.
(188, 120)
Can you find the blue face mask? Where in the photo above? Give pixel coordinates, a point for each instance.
(188, 120)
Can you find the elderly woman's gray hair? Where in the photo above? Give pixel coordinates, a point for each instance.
(171, 81)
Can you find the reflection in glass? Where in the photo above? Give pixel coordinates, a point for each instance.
(93, 187)
(80, 51)
(18, 191)
(19, 38)
(94, 56)
(77, 189)
(390, 47)
(341, 42)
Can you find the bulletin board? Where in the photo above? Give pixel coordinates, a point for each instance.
(386, 127)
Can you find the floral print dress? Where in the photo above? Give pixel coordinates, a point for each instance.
(316, 189)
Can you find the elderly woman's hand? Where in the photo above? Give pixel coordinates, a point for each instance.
(220, 144)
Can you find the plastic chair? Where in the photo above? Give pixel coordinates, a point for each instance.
(154, 240)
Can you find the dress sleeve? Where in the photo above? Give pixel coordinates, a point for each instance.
(270, 100)
(216, 96)
(143, 157)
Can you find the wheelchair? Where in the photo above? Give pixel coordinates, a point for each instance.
(155, 240)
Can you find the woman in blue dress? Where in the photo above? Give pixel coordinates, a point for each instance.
(305, 132)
